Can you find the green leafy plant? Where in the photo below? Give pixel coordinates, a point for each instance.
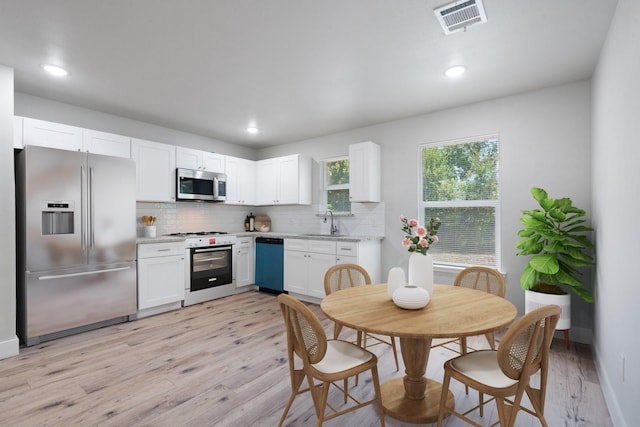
(554, 235)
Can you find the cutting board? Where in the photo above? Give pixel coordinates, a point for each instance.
(262, 220)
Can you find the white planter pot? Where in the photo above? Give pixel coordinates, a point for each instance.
(534, 300)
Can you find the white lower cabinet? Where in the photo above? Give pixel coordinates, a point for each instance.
(161, 277)
(244, 265)
(305, 263)
(365, 253)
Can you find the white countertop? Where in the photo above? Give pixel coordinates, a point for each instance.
(275, 234)
(309, 236)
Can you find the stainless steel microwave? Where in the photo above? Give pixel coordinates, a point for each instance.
(200, 185)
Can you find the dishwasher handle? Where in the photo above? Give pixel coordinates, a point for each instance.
(270, 240)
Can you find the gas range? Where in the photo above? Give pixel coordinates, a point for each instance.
(199, 239)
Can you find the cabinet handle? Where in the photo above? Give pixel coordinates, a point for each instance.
(164, 250)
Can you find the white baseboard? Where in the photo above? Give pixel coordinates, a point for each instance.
(9, 348)
(617, 418)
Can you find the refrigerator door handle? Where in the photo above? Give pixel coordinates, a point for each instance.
(83, 221)
(84, 273)
(91, 210)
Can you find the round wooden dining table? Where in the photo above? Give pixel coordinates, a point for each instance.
(452, 311)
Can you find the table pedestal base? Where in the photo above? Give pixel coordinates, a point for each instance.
(422, 411)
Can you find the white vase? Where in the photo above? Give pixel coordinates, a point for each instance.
(411, 297)
(421, 271)
(395, 280)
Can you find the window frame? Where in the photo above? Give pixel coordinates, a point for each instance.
(326, 187)
(496, 204)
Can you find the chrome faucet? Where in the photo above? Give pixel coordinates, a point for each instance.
(334, 229)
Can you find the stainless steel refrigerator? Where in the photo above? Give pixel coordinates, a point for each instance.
(76, 241)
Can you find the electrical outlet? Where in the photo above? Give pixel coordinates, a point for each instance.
(622, 366)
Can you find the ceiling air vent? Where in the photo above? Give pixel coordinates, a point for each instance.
(460, 14)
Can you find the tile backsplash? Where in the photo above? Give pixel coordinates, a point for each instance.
(367, 219)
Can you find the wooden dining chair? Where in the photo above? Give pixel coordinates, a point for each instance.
(523, 351)
(327, 361)
(483, 279)
(342, 276)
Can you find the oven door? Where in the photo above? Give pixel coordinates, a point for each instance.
(210, 267)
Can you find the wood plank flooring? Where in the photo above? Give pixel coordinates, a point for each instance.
(224, 363)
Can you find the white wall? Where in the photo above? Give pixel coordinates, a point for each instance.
(8, 338)
(545, 141)
(616, 203)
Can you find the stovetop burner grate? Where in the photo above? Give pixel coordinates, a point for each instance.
(198, 233)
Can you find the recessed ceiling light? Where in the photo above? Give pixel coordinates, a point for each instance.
(55, 70)
(253, 129)
(455, 71)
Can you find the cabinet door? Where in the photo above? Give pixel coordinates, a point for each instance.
(295, 272)
(160, 281)
(244, 270)
(155, 170)
(317, 266)
(241, 181)
(188, 158)
(52, 135)
(107, 144)
(266, 182)
(213, 162)
(247, 182)
(346, 259)
(364, 172)
(287, 180)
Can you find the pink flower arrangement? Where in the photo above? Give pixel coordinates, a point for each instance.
(417, 238)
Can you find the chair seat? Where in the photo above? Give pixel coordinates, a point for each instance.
(341, 356)
(482, 366)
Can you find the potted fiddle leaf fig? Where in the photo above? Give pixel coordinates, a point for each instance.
(554, 237)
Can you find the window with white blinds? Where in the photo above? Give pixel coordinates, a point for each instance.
(460, 186)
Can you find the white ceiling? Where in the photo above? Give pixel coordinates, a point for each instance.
(295, 68)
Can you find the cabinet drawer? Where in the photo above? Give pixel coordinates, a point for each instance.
(295, 245)
(245, 243)
(347, 249)
(322, 246)
(151, 250)
(308, 245)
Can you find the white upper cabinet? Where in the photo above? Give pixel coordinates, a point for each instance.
(52, 135)
(364, 172)
(155, 170)
(189, 158)
(241, 181)
(284, 180)
(65, 137)
(108, 144)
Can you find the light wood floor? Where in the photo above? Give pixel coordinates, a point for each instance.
(224, 363)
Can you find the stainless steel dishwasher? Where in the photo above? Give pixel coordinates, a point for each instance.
(270, 264)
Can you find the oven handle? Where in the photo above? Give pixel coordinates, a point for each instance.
(221, 248)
